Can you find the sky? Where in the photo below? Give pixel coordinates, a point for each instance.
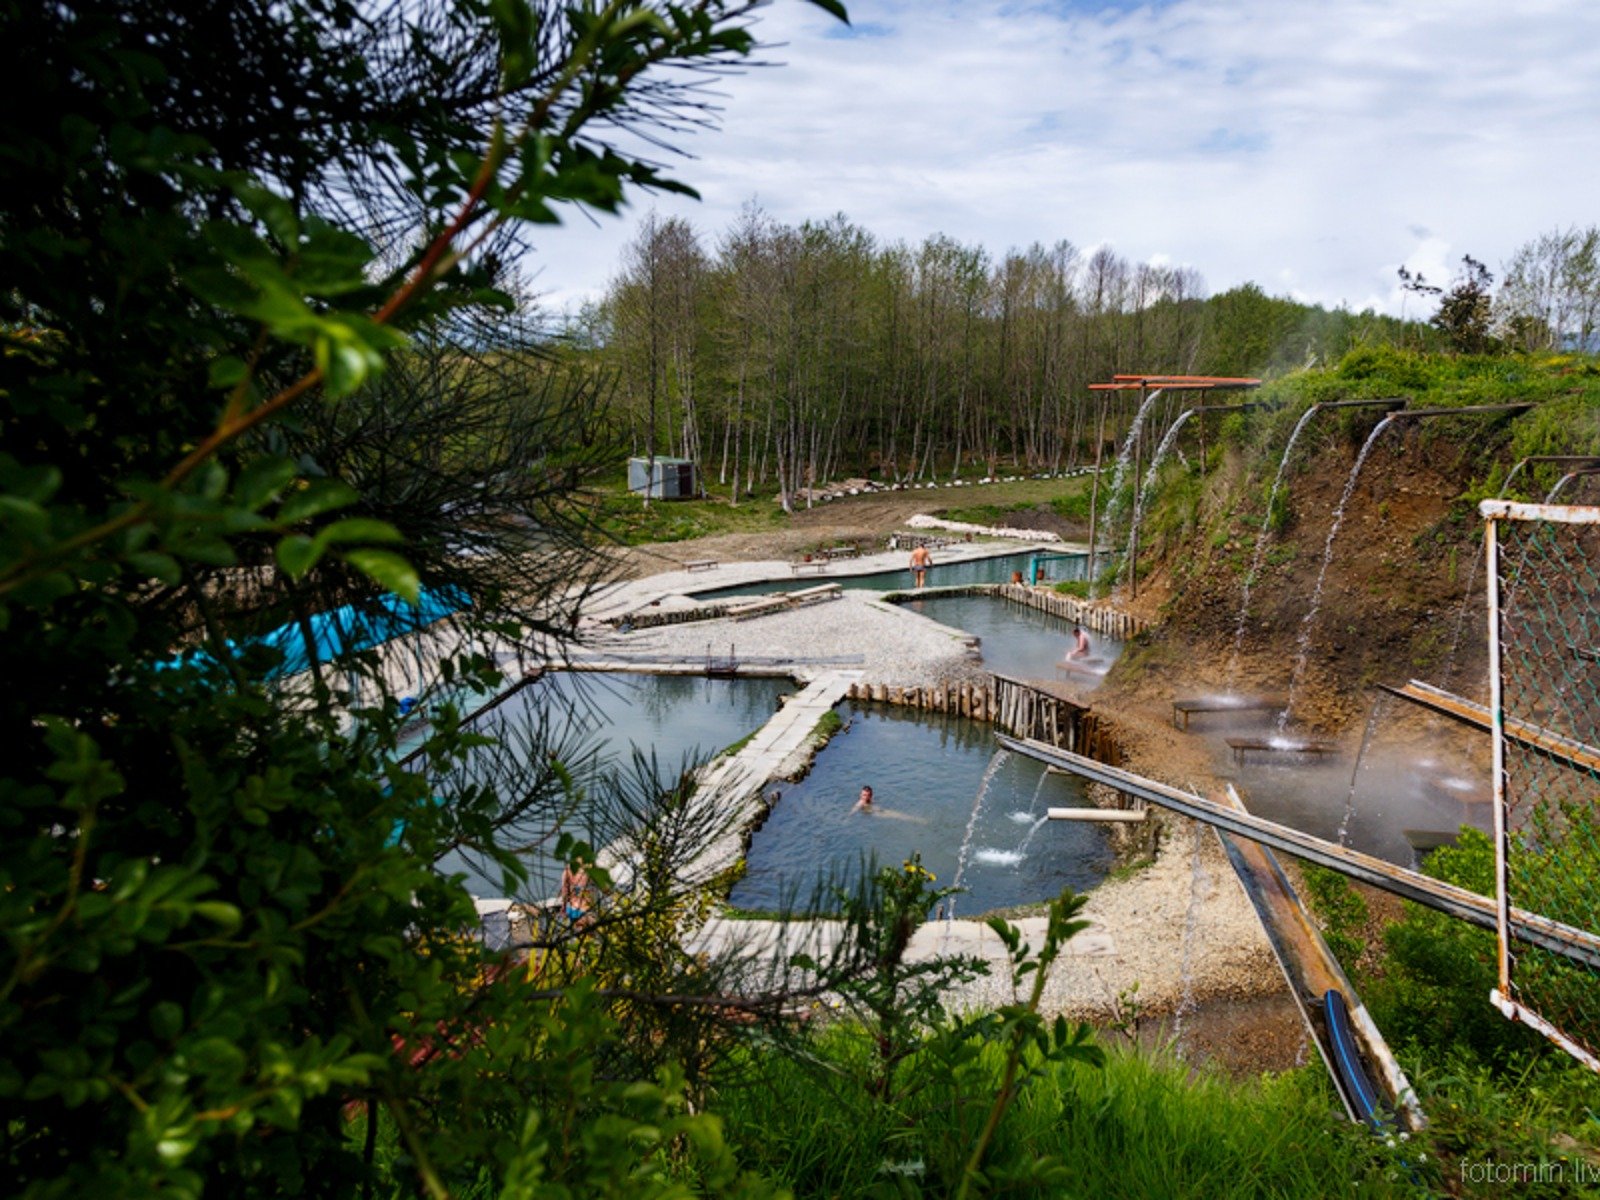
(1310, 146)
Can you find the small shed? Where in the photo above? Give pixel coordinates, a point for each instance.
(663, 479)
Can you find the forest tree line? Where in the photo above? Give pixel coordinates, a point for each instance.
(785, 355)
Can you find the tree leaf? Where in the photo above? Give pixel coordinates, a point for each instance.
(297, 554)
(359, 529)
(318, 496)
(389, 570)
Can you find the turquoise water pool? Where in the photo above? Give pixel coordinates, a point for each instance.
(997, 569)
(942, 791)
(1019, 641)
(643, 730)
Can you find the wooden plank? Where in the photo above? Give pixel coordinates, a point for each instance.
(1190, 705)
(1277, 745)
(1532, 737)
(1096, 814)
(1310, 966)
(1580, 945)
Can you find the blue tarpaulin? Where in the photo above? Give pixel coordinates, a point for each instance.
(348, 629)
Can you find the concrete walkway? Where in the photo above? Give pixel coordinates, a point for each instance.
(769, 945)
(674, 589)
(729, 792)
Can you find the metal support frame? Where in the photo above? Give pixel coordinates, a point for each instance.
(1549, 743)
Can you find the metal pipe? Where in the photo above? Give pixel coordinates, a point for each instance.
(1591, 459)
(1577, 944)
(1389, 402)
(1497, 723)
(1467, 411)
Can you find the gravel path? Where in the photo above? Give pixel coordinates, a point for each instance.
(886, 643)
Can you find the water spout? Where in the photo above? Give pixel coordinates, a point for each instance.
(1307, 625)
(1143, 490)
(1038, 789)
(1261, 538)
(1037, 825)
(1259, 554)
(989, 773)
(1350, 797)
(1125, 454)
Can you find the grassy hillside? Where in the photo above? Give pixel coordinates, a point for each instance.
(1405, 554)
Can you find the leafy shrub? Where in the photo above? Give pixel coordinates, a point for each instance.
(1438, 971)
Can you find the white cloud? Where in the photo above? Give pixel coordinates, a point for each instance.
(1268, 140)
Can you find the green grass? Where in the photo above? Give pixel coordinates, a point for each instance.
(627, 520)
(1141, 1126)
(1069, 498)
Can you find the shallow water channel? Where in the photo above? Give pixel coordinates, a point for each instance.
(595, 721)
(1406, 795)
(1022, 642)
(997, 569)
(943, 791)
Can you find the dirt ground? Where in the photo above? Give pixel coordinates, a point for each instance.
(867, 520)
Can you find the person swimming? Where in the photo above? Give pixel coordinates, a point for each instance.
(864, 804)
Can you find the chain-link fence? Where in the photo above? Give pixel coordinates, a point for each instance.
(1544, 629)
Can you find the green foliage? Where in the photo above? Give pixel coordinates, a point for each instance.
(241, 383)
(903, 1061)
(1438, 971)
(1073, 587)
(1139, 1126)
(1074, 506)
(1536, 1108)
(828, 724)
(1464, 314)
(628, 521)
(1343, 911)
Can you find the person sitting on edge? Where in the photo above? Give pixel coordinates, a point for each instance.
(1080, 648)
(865, 802)
(921, 560)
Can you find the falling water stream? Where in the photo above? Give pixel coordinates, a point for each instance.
(1033, 829)
(995, 764)
(1142, 494)
(1261, 537)
(1038, 788)
(1308, 625)
(1125, 454)
(1355, 770)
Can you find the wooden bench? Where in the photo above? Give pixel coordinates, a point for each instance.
(700, 564)
(810, 595)
(817, 566)
(842, 552)
(1207, 704)
(1277, 745)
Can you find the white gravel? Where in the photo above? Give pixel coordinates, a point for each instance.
(887, 644)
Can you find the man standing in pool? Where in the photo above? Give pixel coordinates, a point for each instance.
(865, 802)
(921, 560)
